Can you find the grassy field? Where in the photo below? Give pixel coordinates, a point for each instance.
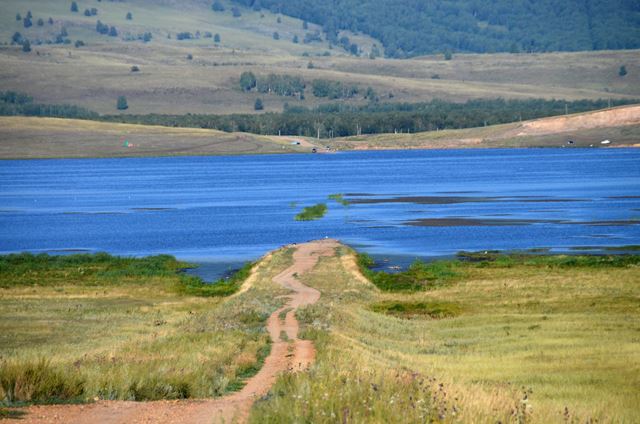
(514, 340)
(29, 138)
(621, 126)
(509, 338)
(95, 75)
(84, 327)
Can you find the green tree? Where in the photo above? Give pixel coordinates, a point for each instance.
(74, 7)
(29, 15)
(276, 36)
(258, 105)
(50, 21)
(122, 103)
(113, 32)
(216, 38)
(235, 12)
(448, 55)
(26, 46)
(217, 6)
(27, 22)
(129, 16)
(16, 38)
(40, 22)
(622, 71)
(18, 17)
(247, 81)
(296, 40)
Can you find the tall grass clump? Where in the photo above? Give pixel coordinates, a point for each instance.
(26, 269)
(311, 213)
(342, 389)
(419, 276)
(38, 381)
(417, 309)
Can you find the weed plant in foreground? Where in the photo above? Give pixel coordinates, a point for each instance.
(80, 327)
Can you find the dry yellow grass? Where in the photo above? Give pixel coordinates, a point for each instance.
(26, 137)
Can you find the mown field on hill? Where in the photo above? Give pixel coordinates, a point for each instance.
(200, 75)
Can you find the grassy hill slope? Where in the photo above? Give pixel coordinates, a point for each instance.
(26, 138)
(95, 75)
(621, 126)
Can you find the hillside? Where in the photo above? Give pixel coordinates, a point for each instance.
(201, 75)
(31, 137)
(621, 126)
(414, 27)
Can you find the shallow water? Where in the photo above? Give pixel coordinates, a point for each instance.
(225, 210)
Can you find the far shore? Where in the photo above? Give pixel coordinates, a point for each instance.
(49, 138)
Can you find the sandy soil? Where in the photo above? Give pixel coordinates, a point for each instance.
(290, 355)
(621, 116)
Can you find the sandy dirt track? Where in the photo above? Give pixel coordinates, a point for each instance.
(290, 355)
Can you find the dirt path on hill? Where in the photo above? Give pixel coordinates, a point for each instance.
(290, 354)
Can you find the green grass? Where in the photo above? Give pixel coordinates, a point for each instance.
(408, 310)
(310, 213)
(526, 338)
(84, 326)
(418, 277)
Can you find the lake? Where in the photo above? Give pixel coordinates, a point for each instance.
(221, 211)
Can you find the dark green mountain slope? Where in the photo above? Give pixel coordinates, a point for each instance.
(415, 27)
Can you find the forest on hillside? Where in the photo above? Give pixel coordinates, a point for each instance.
(415, 27)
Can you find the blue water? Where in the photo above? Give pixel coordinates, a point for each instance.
(229, 209)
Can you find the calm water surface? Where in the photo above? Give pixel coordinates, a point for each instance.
(225, 210)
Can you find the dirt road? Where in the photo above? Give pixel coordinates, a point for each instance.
(288, 354)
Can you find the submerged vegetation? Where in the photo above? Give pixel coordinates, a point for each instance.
(311, 213)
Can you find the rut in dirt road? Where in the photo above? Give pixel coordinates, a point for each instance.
(289, 355)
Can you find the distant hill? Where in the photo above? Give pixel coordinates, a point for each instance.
(416, 27)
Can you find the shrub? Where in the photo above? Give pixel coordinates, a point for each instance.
(217, 6)
(79, 43)
(135, 68)
(129, 16)
(419, 276)
(122, 103)
(26, 46)
(258, 105)
(622, 71)
(74, 6)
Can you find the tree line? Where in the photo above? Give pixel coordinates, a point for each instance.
(415, 27)
(334, 119)
(338, 120)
